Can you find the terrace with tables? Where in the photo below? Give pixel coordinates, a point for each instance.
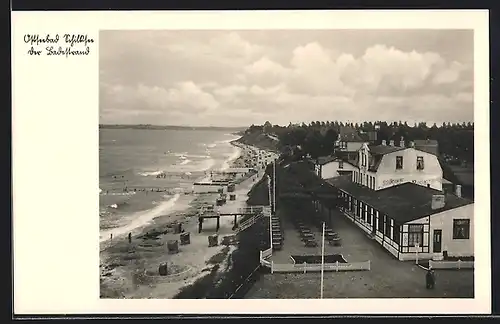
(300, 217)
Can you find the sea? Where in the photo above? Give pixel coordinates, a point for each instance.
(146, 173)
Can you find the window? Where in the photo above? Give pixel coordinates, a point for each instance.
(380, 222)
(370, 216)
(395, 236)
(387, 226)
(461, 229)
(420, 162)
(399, 162)
(363, 159)
(341, 164)
(415, 235)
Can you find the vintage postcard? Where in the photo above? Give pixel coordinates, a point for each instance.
(328, 162)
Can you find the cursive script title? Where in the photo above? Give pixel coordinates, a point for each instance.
(58, 45)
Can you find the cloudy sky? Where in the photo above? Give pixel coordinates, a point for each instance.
(236, 78)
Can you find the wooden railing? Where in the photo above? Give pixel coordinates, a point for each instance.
(249, 222)
(451, 264)
(308, 267)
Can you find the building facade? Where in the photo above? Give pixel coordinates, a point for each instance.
(331, 166)
(395, 194)
(349, 140)
(410, 221)
(382, 166)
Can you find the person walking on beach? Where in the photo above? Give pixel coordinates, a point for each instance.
(111, 237)
(130, 237)
(430, 279)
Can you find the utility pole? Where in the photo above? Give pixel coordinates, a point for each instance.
(274, 187)
(322, 258)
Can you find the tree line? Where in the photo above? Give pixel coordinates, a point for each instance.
(456, 140)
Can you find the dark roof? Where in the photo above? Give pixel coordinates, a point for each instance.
(322, 160)
(326, 159)
(384, 149)
(425, 142)
(403, 203)
(369, 136)
(349, 134)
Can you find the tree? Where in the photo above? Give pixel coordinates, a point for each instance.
(313, 144)
(329, 142)
(267, 127)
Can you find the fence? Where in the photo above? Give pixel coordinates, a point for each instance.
(451, 264)
(308, 267)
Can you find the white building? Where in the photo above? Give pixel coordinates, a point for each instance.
(348, 141)
(395, 195)
(331, 166)
(382, 166)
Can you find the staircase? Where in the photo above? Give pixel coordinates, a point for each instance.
(277, 233)
(260, 212)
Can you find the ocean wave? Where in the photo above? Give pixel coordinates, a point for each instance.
(151, 173)
(141, 218)
(206, 165)
(185, 162)
(212, 145)
(227, 163)
(198, 156)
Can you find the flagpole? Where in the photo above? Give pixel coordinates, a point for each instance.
(322, 258)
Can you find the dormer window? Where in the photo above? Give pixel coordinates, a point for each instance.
(363, 159)
(341, 164)
(399, 162)
(420, 162)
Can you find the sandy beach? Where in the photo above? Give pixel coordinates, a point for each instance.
(131, 270)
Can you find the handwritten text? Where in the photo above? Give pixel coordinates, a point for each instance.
(58, 44)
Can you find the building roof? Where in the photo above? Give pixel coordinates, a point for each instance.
(403, 203)
(425, 142)
(349, 134)
(384, 149)
(369, 136)
(445, 181)
(322, 160)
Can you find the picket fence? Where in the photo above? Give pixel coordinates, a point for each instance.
(451, 264)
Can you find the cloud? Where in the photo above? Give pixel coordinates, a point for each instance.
(239, 78)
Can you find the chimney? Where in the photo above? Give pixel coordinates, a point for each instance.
(402, 142)
(437, 202)
(458, 190)
(412, 144)
(391, 142)
(384, 142)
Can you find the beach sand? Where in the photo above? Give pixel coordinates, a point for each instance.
(131, 270)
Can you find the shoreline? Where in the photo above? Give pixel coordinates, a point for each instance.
(177, 202)
(130, 270)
